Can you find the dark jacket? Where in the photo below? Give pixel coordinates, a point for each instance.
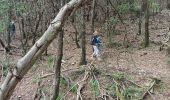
(95, 40)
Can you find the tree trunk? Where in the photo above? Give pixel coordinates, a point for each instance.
(57, 63)
(8, 40)
(92, 15)
(25, 63)
(3, 45)
(76, 31)
(107, 22)
(146, 23)
(83, 39)
(57, 66)
(140, 23)
(39, 14)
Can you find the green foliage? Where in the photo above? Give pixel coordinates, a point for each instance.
(63, 82)
(168, 61)
(21, 7)
(136, 5)
(5, 65)
(113, 20)
(153, 5)
(73, 88)
(123, 8)
(131, 92)
(122, 89)
(118, 76)
(136, 9)
(50, 60)
(4, 9)
(94, 87)
(111, 90)
(142, 45)
(59, 97)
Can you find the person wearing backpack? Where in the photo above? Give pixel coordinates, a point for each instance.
(11, 29)
(96, 44)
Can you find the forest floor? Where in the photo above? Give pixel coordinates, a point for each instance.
(140, 65)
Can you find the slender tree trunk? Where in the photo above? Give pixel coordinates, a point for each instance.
(146, 23)
(140, 23)
(57, 66)
(39, 14)
(83, 39)
(76, 31)
(107, 22)
(58, 61)
(92, 15)
(8, 40)
(25, 63)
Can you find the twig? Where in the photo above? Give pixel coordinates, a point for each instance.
(37, 94)
(151, 95)
(50, 74)
(133, 83)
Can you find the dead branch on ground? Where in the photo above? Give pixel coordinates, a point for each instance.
(81, 85)
(154, 82)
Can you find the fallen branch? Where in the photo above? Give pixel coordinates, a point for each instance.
(51, 74)
(154, 82)
(81, 85)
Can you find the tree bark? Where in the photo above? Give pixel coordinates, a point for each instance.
(57, 66)
(140, 23)
(146, 23)
(8, 40)
(92, 15)
(83, 39)
(76, 31)
(26, 62)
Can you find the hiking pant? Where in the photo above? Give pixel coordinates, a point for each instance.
(12, 34)
(96, 52)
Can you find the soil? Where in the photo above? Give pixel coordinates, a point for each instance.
(138, 64)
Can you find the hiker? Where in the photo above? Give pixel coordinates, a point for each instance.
(11, 29)
(96, 44)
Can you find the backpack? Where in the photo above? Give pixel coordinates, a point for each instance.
(93, 40)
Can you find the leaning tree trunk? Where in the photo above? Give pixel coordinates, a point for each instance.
(83, 39)
(25, 63)
(57, 66)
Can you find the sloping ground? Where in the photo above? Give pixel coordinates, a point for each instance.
(138, 65)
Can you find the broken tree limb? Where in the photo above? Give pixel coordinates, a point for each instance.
(154, 82)
(26, 62)
(81, 85)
